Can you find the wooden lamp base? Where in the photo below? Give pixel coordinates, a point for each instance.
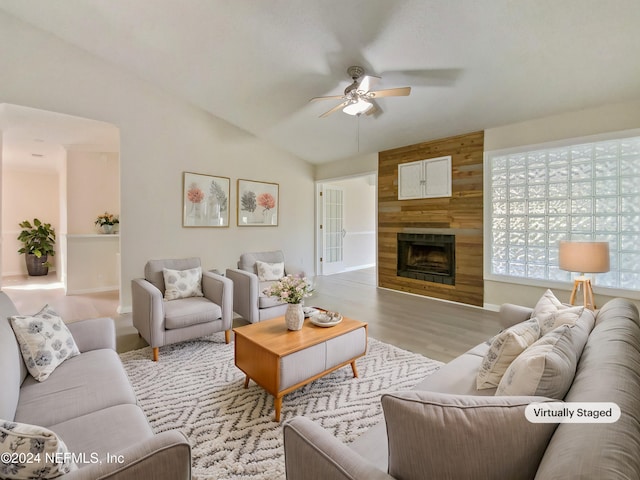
(583, 283)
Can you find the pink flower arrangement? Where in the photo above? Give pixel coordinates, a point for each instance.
(194, 194)
(266, 201)
(290, 289)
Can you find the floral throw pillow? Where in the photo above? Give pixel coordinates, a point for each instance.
(551, 313)
(182, 283)
(29, 451)
(269, 271)
(505, 347)
(45, 341)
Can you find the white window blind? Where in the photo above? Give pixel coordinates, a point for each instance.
(586, 191)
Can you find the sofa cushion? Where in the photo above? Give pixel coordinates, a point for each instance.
(434, 435)
(545, 368)
(505, 347)
(182, 283)
(551, 313)
(34, 451)
(104, 431)
(83, 384)
(459, 376)
(269, 271)
(45, 341)
(190, 311)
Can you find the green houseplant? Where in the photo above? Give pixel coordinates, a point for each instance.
(38, 241)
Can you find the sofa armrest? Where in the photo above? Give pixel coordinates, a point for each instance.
(148, 311)
(510, 314)
(166, 455)
(93, 334)
(245, 294)
(312, 453)
(219, 290)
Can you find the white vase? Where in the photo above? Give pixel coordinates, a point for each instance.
(108, 229)
(294, 316)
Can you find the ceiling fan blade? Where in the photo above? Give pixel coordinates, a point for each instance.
(367, 83)
(391, 92)
(336, 108)
(330, 97)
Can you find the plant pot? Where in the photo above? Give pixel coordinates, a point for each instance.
(36, 266)
(294, 316)
(108, 229)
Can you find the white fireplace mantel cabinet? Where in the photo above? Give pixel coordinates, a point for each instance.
(430, 178)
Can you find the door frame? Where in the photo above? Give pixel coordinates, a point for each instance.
(319, 215)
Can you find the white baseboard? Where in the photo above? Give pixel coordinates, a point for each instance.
(358, 267)
(108, 288)
(126, 309)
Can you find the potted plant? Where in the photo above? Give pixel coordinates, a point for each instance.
(38, 241)
(107, 222)
(291, 290)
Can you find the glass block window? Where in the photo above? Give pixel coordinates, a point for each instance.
(587, 191)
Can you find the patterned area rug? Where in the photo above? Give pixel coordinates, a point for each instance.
(196, 387)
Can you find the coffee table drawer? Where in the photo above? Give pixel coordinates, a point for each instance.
(299, 366)
(346, 347)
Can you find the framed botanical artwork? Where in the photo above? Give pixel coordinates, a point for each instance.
(205, 200)
(257, 203)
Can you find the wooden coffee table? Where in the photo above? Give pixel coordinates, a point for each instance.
(281, 360)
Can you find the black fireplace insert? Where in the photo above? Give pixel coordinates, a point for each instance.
(426, 256)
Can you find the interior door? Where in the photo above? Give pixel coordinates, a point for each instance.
(332, 230)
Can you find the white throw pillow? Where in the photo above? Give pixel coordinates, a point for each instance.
(45, 341)
(551, 313)
(546, 368)
(269, 271)
(504, 348)
(32, 452)
(182, 283)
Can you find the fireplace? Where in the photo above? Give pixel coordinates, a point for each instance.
(428, 257)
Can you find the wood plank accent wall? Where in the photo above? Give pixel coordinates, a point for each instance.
(460, 215)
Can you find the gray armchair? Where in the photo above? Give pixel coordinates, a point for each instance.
(248, 300)
(162, 322)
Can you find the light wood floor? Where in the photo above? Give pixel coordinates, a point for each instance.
(436, 329)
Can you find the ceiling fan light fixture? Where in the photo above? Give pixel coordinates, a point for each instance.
(358, 107)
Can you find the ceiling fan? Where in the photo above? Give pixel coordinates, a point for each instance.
(359, 97)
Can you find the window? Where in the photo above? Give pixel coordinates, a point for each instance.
(581, 191)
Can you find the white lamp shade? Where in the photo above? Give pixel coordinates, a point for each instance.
(358, 107)
(584, 257)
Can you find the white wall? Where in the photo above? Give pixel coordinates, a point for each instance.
(161, 137)
(608, 118)
(93, 187)
(26, 194)
(360, 164)
(359, 221)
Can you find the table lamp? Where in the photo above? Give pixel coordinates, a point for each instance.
(584, 257)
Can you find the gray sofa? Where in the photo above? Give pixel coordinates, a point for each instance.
(88, 402)
(446, 425)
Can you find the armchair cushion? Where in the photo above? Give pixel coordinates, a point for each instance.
(269, 271)
(248, 261)
(265, 301)
(190, 311)
(182, 283)
(153, 269)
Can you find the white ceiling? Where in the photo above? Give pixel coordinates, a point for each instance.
(34, 139)
(256, 63)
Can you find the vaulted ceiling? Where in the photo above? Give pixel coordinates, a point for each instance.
(255, 63)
